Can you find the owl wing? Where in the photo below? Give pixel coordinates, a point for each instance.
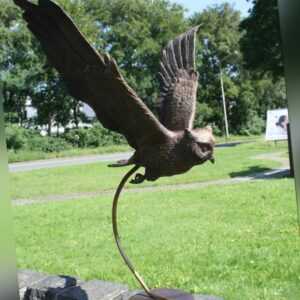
(91, 77)
(178, 82)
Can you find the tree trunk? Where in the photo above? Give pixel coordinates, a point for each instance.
(49, 129)
(75, 116)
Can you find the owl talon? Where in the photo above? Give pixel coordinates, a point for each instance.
(139, 178)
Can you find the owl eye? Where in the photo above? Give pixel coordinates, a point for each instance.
(205, 146)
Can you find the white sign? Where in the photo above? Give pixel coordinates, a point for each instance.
(277, 121)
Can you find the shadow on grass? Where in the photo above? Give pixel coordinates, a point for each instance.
(251, 171)
(256, 172)
(228, 145)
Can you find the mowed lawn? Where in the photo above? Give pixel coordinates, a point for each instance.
(237, 241)
(230, 162)
(28, 155)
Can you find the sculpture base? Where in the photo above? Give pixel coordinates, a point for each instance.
(168, 294)
(160, 294)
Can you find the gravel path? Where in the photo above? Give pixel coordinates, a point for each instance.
(279, 157)
(282, 171)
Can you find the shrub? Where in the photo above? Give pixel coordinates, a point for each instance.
(15, 137)
(77, 137)
(108, 137)
(20, 138)
(255, 126)
(95, 136)
(47, 144)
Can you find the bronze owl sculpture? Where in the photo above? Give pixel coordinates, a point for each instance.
(165, 146)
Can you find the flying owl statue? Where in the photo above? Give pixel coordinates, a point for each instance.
(164, 147)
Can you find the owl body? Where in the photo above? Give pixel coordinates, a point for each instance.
(180, 152)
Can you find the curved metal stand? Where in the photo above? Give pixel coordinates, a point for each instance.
(160, 294)
(116, 233)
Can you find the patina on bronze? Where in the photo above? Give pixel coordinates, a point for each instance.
(164, 147)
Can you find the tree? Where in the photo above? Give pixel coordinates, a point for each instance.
(25, 73)
(50, 96)
(248, 94)
(17, 61)
(134, 33)
(256, 96)
(261, 43)
(218, 50)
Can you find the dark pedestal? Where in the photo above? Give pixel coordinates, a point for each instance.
(170, 294)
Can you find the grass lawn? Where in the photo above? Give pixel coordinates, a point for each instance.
(25, 155)
(237, 241)
(230, 162)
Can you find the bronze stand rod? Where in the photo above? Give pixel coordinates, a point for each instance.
(116, 233)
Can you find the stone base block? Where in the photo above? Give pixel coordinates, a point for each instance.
(39, 286)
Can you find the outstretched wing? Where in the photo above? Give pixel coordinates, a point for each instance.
(178, 82)
(91, 77)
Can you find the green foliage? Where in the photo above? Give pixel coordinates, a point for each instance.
(18, 138)
(95, 136)
(23, 71)
(218, 50)
(254, 125)
(15, 137)
(261, 42)
(50, 96)
(248, 96)
(18, 60)
(47, 144)
(134, 32)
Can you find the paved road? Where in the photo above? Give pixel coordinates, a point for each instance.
(80, 160)
(60, 162)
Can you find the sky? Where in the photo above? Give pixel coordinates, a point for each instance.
(198, 5)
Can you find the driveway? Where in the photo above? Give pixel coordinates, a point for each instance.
(61, 162)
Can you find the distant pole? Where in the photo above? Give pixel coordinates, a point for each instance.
(224, 104)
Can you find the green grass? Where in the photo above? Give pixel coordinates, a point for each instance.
(26, 155)
(230, 162)
(235, 138)
(238, 241)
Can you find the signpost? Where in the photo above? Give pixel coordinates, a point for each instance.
(277, 125)
(278, 129)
